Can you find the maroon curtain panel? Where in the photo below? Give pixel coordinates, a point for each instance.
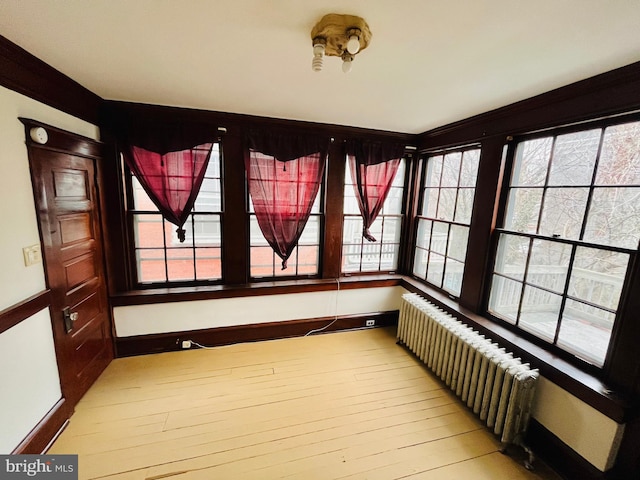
(373, 167)
(284, 173)
(172, 180)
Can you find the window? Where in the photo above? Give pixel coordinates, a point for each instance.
(305, 259)
(160, 257)
(447, 193)
(360, 255)
(570, 230)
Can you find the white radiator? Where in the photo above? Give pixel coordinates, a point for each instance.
(496, 386)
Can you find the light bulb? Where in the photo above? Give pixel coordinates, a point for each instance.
(353, 45)
(318, 53)
(347, 60)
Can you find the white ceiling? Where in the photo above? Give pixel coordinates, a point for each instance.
(430, 62)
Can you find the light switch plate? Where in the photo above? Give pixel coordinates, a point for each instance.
(32, 255)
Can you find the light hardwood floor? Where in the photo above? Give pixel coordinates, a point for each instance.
(349, 405)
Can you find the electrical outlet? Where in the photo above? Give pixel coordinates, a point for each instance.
(370, 323)
(186, 344)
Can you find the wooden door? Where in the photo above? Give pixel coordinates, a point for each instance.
(64, 175)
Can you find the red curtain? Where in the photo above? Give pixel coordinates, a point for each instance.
(373, 167)
(284, 173)
(172, 180)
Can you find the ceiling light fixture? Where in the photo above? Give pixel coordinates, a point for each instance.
(339, 36)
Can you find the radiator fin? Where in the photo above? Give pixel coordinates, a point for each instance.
(490, 381)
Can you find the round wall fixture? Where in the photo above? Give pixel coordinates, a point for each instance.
(39, 135)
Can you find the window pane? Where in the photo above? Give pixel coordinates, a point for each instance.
(597, 276)
(505, 298)
(439, 237)
(465, 205)
(350, 202)
(180, 264)
(393, 203)
(424, 233)
(619, 162)
(563, 212)
(512, 254)
(311, 233)
(531, 162)
(392, 227)
(434, 171)
(451, 169)
(453, 276)
(370, 257)
(255, 233)
(308, 259)
(586, 331)
(141, 200)
(352, 230)
(458, 243)
(447, 204)
(540, 312)
(208, 263)
(420, 262)
(574, 157)
(351, 255)
(614, 217)
(523, 209)
(206, 229)
(209, 198)
(148, 231)
(548, 265)
(389, 257)
(262, 262)
(435, 269)
(151, 266)
(469, 171)
(398, 180)
(430, 202)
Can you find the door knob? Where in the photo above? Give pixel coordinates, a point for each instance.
(69, 319)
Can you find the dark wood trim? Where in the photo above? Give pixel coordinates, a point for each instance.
(12, 316)
(184, 294)
(610, 93)
(235, 219)
(333, 212)
(47, 430)
(236, 123)
(26, 74)
(63, 141)
(588, 388)
(145, 344)
(559, 456)
(482, 224)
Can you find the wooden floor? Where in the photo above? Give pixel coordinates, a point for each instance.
(350, 405)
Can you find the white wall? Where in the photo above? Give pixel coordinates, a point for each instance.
(34, 383)
(591, 434)
(181, 316)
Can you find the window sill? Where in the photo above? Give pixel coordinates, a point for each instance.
(183, 294)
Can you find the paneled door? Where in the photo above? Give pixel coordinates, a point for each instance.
(65, 177)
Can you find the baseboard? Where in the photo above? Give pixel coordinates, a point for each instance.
(559, 456)
(47, 430)
(166, 342)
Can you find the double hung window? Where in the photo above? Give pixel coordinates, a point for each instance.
(569, 232)
(446, 203)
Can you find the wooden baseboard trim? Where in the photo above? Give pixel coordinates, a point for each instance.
(47, 430)
(166, 342)
(559, 456)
